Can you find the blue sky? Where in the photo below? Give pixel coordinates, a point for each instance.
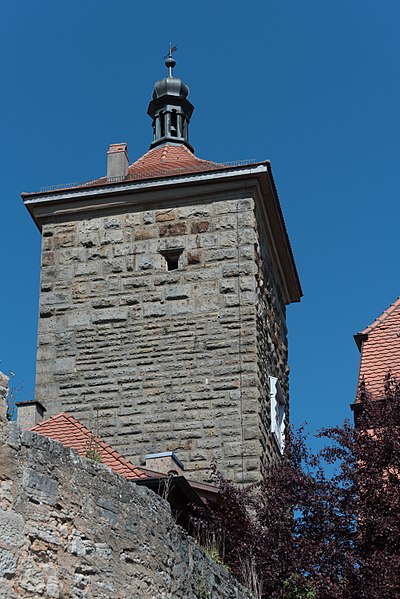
(313, 86)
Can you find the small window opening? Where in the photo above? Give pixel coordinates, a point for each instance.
(172, 262)
(171, 258)
(162, 121)
(174, 124)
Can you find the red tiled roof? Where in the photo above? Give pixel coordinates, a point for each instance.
(380, 351)
(160, 161)
(166, 161)
(71, 433)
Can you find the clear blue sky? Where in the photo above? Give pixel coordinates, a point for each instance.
(313, 86)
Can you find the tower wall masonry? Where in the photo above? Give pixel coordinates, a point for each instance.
(165, 360)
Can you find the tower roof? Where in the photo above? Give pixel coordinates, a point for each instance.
(165, 161)
(169, 160)
(170, 85)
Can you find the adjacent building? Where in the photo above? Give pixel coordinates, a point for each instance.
(379, 346)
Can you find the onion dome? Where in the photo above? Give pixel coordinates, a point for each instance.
(172, 86)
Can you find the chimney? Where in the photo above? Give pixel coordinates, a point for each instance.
(166, 462)
(29, 413)
(3, 395)
(117, 162)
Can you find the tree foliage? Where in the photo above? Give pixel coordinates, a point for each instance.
(302, 533)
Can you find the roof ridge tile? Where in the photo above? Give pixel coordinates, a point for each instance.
(380, 319)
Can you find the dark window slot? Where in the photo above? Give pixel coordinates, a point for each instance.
(172, 258)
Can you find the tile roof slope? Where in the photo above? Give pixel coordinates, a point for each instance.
(166, 161)
(160, 161)
(392, 308)
(71, 433)
(380, 352)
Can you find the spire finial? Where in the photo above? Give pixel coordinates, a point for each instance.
(170, 62)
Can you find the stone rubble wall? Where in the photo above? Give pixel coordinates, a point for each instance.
(71, 528)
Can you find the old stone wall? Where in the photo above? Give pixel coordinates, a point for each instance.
(272, 343)
(156, 359)
(4, 382)
(71, 528)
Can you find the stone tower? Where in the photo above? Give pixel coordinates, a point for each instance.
(163, 293)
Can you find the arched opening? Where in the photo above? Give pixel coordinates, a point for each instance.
(174, 124)
(162, 123)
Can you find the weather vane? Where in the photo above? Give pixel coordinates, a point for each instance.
(172, 49)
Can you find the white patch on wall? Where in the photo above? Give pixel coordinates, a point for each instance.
(277, 412)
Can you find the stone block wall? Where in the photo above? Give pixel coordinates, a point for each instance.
(272, 344)
(4, 382)
(155, 359)
(72, 528)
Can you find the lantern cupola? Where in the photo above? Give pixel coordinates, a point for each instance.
(170, 109)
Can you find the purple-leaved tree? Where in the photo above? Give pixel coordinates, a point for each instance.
(302, 533)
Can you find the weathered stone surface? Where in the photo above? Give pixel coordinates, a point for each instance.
(200, 226)
(7, 563)
(4, 381)
(123, 337)
(80, 531)
(11, 528)
(39, 487)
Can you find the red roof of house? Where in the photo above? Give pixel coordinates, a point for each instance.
(71, 433)
(380, 350)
